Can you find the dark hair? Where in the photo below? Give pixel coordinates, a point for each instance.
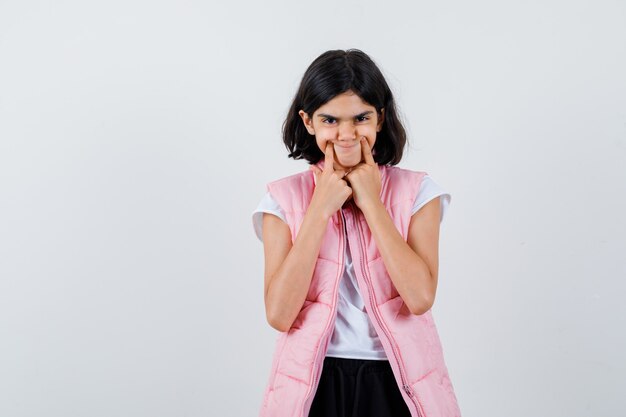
(330, 74)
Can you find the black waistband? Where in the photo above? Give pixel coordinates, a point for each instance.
(351, 366)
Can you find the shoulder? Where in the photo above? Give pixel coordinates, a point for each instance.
(429, 190)
(402, 177)
(396, 171)
(301, 177)
(293, 192)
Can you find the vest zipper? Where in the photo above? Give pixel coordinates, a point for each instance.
(318, 364)
(374, 309)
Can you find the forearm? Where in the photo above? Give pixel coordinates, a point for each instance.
(407, 270)
(290, 285)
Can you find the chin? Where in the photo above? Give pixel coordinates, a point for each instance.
(349, 164)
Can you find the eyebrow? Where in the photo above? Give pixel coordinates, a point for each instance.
(365, 113)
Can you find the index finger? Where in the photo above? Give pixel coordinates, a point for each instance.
(367, 152)
(328, 160)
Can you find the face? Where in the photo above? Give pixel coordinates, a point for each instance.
(342, 121)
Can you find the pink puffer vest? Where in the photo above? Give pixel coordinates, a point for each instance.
(411, 342)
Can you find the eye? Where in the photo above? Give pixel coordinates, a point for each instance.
(328, 119)
(362, 118)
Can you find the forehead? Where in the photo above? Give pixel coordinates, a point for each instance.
(345, 104)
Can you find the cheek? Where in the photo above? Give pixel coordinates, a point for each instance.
(370, 135)
(369, 131)
(322, 140)
(321, 143)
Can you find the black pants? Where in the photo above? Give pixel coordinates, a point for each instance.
(357, 388)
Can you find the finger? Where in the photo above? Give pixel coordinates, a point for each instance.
(367, 152)
(328, 161)
(349, 173)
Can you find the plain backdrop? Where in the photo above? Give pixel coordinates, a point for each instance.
(137, 137)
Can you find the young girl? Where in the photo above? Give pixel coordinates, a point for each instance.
(351, 257)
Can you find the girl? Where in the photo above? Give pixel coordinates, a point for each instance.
(351, 257)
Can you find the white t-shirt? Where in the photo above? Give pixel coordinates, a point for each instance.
(353, 336)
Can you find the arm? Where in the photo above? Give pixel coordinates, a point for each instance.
(289, 268)
(412, 265)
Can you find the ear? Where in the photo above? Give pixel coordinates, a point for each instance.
(379, 126)
(308, 123)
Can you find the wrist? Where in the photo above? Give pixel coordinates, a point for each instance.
(317, 214)
(371, 206)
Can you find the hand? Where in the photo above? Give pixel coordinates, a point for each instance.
(365, 178)
(331, 190)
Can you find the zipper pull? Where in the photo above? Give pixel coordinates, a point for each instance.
(408, 390)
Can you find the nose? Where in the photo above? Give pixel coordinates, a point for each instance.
(347, 132)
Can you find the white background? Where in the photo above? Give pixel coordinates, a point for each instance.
(136, 138)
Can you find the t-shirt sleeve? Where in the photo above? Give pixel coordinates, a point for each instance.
(267, 205)
(429, 189)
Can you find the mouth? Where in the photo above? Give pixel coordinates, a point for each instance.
(347, 146)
